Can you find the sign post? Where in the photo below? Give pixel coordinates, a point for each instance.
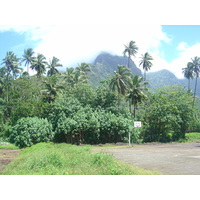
(137, 124)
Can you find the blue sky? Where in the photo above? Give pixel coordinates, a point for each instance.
(167, 44)
(16, 42)
(190, 34)
(77, 31)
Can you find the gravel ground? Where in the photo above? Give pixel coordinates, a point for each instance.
(6, 156)
(167, 159)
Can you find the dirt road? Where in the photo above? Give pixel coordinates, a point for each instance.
(167, 159)
(6, 156)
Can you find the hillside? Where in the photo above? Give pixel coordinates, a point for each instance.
(105, 64)
(164, 78)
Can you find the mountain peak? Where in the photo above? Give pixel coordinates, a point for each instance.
(112, 61)
(105, 64)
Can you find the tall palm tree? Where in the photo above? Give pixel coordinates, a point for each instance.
(11, 65)
(51, 92)
(195, 65)
(80, 77)
(120, 81)
(146, 63)
(74, 76)
(188, 73)
(39, 64)
(136, 92)
(84, 67)
(69, 76)
(130, 49)
(16, 71)
(28, 57)
(81, 72)
(52, 66)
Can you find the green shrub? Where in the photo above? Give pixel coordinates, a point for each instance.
(29, 131)
(168, 111)
(91, 126)
(5, 131)
(68, 106)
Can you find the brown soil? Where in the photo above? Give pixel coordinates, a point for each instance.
(6, 156)
(169, 159)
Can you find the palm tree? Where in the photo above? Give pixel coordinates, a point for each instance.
(84, 67)
(11, 65)
(39, 65)
(16, 71)
(120, 81)
(136, 92)
(52, 66)
(28, 57)
(195, 65)
(69, 76)
(188, 73)
(82, 71)
(51, 91)
(146, 63)
(130, 49)
(74, 76)
(80, 77)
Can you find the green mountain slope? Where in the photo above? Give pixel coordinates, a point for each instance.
(105, 64)
(164, 78)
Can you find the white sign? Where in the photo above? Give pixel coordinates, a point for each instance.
(137, 124)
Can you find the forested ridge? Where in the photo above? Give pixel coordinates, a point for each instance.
(66, 107)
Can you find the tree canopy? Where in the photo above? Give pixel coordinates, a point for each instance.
(66, 107)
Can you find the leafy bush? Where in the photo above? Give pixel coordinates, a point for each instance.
(29, 131)
(68, 106)
(168, 111)
(90, 126)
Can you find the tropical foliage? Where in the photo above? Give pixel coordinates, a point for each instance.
(64, 107)
(130, 49)
(169, 115)
(146, 63)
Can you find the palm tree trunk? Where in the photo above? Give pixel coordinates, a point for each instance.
(134, 110)
(118, 101)
(145, 76)
(7, 87)
(7, 93)
(189, 84)
(195, 89)
(129, 57)
(129, 105)
(28, 68)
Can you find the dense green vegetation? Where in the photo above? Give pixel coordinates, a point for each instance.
(66, 107)
(65, 159)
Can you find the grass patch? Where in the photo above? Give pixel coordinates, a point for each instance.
(9, 146)
(192, 137)
(66, 159)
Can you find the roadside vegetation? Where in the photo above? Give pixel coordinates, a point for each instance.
(5, 145)
(63, 107)
(66, 159)
(54, 106)
(192, 137)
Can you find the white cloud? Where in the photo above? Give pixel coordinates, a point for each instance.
(76, 31)
(75, 44)
(184, 57)
(177, 64)
(182, 46)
